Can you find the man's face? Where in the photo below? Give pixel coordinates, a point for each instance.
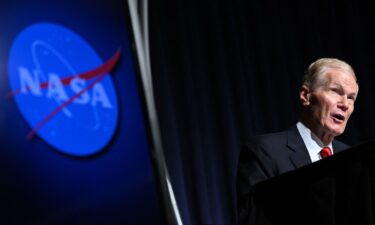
(332, 102)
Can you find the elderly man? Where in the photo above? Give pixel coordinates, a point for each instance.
(327, 97)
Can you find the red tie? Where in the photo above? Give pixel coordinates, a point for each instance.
(325, 152)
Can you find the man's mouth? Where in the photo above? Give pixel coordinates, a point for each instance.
(338, 118)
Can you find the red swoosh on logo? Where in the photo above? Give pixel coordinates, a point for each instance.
(86, 75)
(99, 73)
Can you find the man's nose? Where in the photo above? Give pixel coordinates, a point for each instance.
(344, 103)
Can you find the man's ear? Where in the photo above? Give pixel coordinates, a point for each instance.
(304, 95)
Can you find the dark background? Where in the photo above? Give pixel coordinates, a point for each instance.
(226, 70)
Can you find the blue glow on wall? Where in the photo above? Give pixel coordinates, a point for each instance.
(95, 166)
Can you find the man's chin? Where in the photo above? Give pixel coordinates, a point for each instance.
(336, 131)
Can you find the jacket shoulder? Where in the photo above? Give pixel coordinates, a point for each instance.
(339, 146)
(267, 140)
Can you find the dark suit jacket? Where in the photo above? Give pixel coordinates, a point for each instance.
(266, 156)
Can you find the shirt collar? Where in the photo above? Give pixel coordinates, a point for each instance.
(312, 142)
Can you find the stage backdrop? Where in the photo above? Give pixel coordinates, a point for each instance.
(225, 70)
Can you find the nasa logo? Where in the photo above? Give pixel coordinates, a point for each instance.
(63, 89)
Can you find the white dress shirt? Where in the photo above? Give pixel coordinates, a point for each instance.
(313, 144)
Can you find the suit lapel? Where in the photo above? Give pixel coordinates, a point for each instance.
(338, 146)
(300, 156)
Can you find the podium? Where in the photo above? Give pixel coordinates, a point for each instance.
(338, 190)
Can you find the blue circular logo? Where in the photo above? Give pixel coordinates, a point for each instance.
(63, 89)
